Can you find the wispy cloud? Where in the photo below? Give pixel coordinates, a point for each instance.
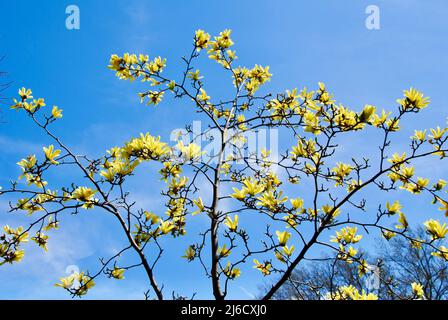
(17, 146)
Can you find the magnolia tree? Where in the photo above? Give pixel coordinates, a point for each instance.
(231, 185)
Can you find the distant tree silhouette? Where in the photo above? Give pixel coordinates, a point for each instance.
(399, 263)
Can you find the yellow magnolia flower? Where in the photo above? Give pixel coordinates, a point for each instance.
(203, 96)
(170, 170)
(146, 147)
(35, 179)
(154, 97)
(441, 253)
(388, 234)
(297, 203)
(190, 253)
(346, 255)
(200, 206)
(171, 85)
(189, 152)
(328, 209)
(265, 267)
(351, 293)
(347, 235)
(224, 251)
(25, 93)
(407, 173)
(417, 290)
(201, 39)
(378, 121)
(419, 135)
(413, 99)
(239, 194)
(151, 217)
(230, 272)
(444, 206)
(195, 76)
(311, 123)
(56, 112)
(439, 185)
(271, 201)
(363, 268)
(304, 148)
(397, 158)
(166, 227)
(437, 133)
(418, 187)
(51, 154)
(108, 174)
(367, 113)
(82, 285)
(288, 250)
(403, 222)
(232, 224)
(252, 186)
(28, 163)
(341, 171)
(435, 229)
(41, 240)
(66, 282)
(393, 208)
(83, 194)
(117, 273)
(283, 237)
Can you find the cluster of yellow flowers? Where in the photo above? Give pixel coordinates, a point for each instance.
(341, 172)
(413, 100)
(344, 238)
(404, 174)
(304, 149)
(264, 268)
(231, 272)
(131, 67)
(31, 170)
(265, 184)
(318, 107)
(351, 293)
(41, 240)
(285, 253)
(123, 161)
(435, 229)
(78, 283)
(34, 105)
(85, 195)
(190, 152)
(10, 242)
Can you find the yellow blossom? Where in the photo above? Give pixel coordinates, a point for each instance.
(51, 154)
(283, 237)
(232, 224)
(56, 112)
(435, 229)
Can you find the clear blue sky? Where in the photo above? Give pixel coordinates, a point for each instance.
(303, 41)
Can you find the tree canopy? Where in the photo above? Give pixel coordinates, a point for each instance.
(232, 185)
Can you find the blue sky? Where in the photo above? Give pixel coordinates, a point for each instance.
(303, 41)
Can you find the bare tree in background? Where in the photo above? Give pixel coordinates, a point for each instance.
(397, 265)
